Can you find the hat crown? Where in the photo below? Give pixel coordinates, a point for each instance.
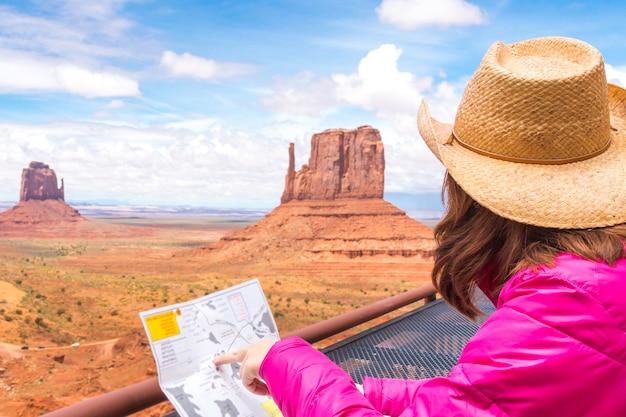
(539, 101)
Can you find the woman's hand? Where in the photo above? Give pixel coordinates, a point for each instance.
(251, 358)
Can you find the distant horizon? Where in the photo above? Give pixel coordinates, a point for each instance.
(425, 206)
(426, 201)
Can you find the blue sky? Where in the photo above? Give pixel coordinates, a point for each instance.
(195, 102)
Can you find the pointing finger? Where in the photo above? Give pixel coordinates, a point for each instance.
(230, 357)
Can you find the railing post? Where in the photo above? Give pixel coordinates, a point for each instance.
(430, 298)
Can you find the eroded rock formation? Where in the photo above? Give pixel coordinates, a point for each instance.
(39, 182)
(343, 164)
(42, 208)
(332, 208)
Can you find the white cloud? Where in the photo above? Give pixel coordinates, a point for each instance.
(71, 36)
(187, 65)
(103, 115)
(616, 75)
(96, 10)
(416, 14)
(61, 54)
(378, 85)
(198, 124)
(115, 104)
(39, 143)
(302, 94)
(443, 103)
(91, 84)
(90, 17)
(29, 73)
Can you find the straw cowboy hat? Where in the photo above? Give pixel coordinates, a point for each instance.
(539, 136)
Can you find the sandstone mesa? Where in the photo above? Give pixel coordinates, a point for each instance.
(332, 206)
(42, 204)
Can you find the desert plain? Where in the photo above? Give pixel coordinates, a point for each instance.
(72, 295)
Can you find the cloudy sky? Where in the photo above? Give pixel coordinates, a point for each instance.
(195, 102)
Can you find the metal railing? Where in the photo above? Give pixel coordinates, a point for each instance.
(134, 398)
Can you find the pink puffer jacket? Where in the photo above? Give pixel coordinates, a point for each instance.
(555, 346)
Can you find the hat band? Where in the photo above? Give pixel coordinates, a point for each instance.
(538, 161)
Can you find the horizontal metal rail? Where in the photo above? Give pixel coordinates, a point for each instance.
(334, 325)
(134, 398)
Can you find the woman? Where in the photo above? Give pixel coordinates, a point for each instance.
(536, 206)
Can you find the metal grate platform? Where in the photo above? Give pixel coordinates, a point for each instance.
(423, 343)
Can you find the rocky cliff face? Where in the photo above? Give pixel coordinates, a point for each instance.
(39, 182)
(343, 164)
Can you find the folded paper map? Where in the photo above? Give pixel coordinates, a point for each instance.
(185, 338)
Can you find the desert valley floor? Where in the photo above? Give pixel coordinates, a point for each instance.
(61, 288)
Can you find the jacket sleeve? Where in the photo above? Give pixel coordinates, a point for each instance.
(305, 383)
(391, 396)
(441, 396)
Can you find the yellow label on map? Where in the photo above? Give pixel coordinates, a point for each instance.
(162, 326)
(271, 408)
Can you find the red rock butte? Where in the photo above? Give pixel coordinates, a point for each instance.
(43, 213)
(332, 207)
(42, 204)
(39, 182)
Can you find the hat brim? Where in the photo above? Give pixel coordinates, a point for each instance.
(584, 194)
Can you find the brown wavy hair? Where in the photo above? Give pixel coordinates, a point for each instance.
(477, 248)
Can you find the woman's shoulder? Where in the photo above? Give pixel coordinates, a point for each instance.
(573, 296)
(598, 279)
